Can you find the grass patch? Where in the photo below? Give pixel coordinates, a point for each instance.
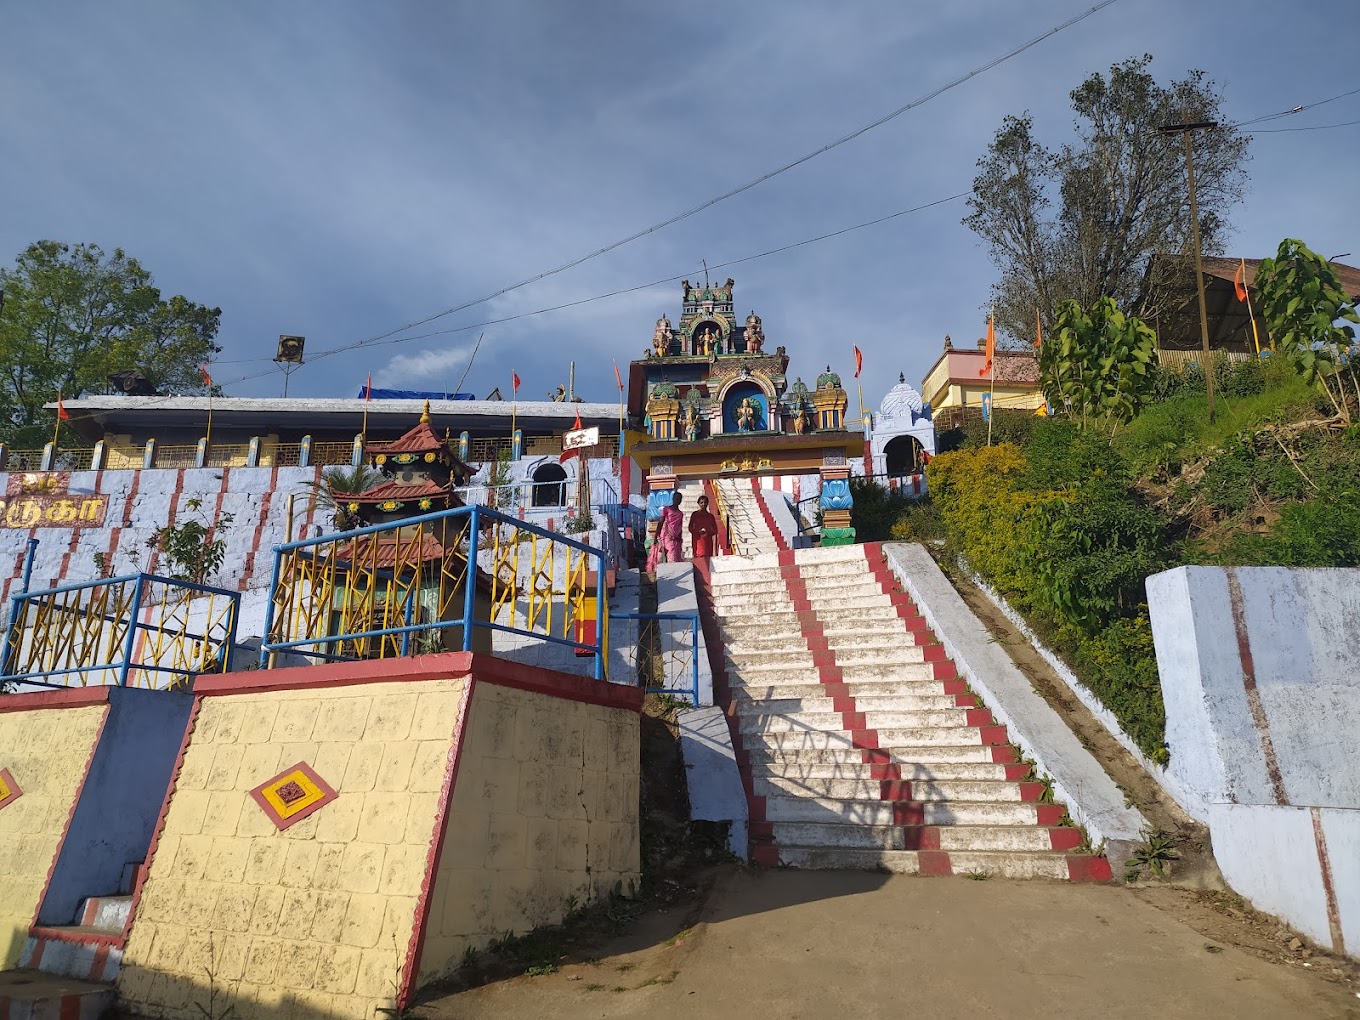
(1177, 431)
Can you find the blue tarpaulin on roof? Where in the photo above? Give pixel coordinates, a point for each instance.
(377, 394)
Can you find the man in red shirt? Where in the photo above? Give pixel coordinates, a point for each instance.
(703, 529)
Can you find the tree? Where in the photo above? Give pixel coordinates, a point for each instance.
(1304, 307)
(1084, 220)
(74, 315)
(1098, 364)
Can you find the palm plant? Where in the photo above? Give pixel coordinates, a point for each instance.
(335, 481)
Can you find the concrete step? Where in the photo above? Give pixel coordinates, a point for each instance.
(33, 995)
(907, 862)
(757, 675)
(756, 719)
(842, 754)
(796, 771)
(814, 700)
(933, 790)
(104, 913)
(880, 614)
(906, 742)
(853, 814)
(823, 586)
(72, 951)
(769, 659)
(759, 690)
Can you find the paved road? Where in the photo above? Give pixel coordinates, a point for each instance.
(793, 944)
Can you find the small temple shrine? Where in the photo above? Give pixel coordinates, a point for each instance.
(716, 402)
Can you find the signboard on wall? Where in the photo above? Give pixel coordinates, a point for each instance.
(579, 439)
(44, 500)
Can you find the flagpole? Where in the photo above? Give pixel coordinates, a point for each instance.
(56, 429)
(991, 399)
(368, 395)
(1255, 337)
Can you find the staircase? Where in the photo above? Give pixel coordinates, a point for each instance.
(750, 532)
(690, 492)
(90, 947)
(859, 745)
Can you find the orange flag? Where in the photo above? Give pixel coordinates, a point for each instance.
(859, 362)
(1240, 281)
(991, 345)
(62, 413)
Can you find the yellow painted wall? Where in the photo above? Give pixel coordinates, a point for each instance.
(1023, 397)
(46, 751)
(546, 788)
(315, 919)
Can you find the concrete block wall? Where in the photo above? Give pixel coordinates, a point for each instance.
(140, 501)
(321, 913)
(345, 911)
(1260, 673)
(544, 809)
(46, 743)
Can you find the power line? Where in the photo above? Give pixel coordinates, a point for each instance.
(708, 204)
(610, 294)
(1296, 109)
(1315, 127)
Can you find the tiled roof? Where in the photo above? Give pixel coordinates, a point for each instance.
(402, 492)
(389, 550)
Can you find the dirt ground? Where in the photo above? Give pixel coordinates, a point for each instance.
(806, 944)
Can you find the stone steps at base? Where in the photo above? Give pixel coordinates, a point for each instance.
(33, 995)
(817, 700)
(104, 913)
(777, 675)
(1001, 791)
(757, 719)
(72, 951)
(904, 742)
(818, 588)
(1062, 867)
(859, 815)
(860, 643)
(808, 772)
(865, 690)
(942, 754)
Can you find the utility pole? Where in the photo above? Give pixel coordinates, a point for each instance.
(1185, 131)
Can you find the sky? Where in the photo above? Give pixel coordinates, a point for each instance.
(339, 170)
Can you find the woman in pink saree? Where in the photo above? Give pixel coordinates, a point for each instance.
(667, 548)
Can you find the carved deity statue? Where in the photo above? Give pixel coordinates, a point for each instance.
(708, 342)
(800, 421)
(661, 339)
(692, 423)
(755, 334)
(746, 415)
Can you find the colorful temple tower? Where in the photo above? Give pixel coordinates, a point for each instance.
(716, 403)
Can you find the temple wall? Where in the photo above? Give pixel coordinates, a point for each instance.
(545, 807)
(46, 744)
(320, 913)
(140, 501)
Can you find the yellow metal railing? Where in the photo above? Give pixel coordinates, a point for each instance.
(405, 589)
(138, 630)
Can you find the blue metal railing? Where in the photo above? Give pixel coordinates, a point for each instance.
(813, 529)
(692, 619)
(625, 515)
(80, 624)
(293, 557)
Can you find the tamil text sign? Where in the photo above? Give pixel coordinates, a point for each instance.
(44, 501)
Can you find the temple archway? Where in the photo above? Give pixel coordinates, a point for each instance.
(550, 485)
(904, 456)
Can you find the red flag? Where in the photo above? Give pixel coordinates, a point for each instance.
(991, 345)
(62, 413)
(578, 424)
(859, 362)
(207, 379)
(1240, 281)
(618, 378)
(514, 382)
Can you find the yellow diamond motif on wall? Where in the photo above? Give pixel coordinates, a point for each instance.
(293, 794)
(9, 789)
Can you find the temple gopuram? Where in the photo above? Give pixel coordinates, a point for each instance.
(716, 403)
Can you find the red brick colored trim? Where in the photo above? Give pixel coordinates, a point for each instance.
(145, 869)
(70, 697)
(443, 666)
(1328, 886)
(265, 505)
(70, 815)
(410, 971)
(769, 517)
(85, 938)
(170, 521)
(934, 862)
(117, 537)
(1086, 868)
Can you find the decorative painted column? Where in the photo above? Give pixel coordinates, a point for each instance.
(201, 453)
(253, 454)
(835, 503)
(149, 454)
(662, 488)
(517, 444)
(97, 457)
(464, 441)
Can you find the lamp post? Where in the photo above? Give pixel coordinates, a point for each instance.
(1185, 131)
